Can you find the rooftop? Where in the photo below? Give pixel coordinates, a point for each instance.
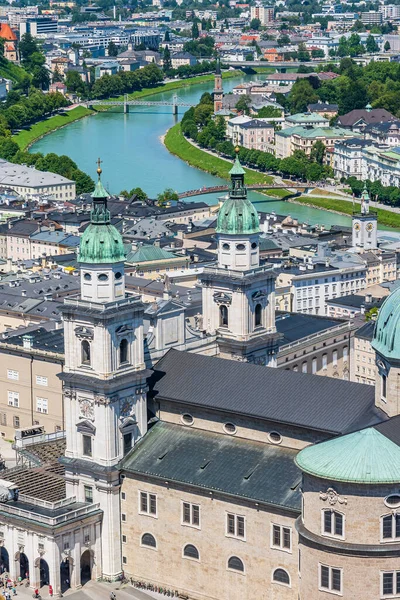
(23, 176)
(217, 462)
(366, 457)
(302, 400)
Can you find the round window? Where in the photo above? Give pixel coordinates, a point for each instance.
(254, 245)
(275, 437)
(118, 275)
(225, 246)
(102, 277)
(87, 276)
(230, 428)
(187, 419)
(393, 500)
(240, 247)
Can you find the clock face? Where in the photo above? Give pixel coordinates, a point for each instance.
(357, 226)
(370, 226)
(86, 409)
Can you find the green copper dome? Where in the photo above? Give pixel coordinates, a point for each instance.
(101, 241)
(386, 338)
(237, 215)
(366, 456)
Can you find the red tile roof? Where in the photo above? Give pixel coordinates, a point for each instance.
(6, 33)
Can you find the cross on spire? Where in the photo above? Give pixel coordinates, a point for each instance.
(99, 169)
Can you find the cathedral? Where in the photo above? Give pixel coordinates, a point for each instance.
(218, 479)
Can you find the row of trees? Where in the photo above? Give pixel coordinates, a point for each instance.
(19, 110)
(377, 83)
(198, 124)
(386, 194)
(125, 82)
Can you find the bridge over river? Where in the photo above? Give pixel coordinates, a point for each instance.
(175, 102)
(293, 190)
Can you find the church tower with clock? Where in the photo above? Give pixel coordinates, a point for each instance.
(104, 379)
(364, 225)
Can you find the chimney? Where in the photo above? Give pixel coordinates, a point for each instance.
(27, 341)
(368, 298)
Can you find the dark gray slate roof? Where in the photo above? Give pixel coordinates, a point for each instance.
(303, 400)
(366, 332)
(295, 326)
(391, 429)
(215, 461)
(50, 341)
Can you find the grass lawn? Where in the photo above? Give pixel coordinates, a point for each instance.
(385, 217)
(278, 193)
(177, 144)
(28, 136)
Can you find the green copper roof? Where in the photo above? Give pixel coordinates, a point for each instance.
(237, 216)
(100, 191)
(366, 456)
(386, 338)
(147, 253)
(101, 241)
(237, 168)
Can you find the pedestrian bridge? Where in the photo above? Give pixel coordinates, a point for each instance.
(292, 189)
(175, 103)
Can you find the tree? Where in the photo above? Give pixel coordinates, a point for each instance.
(318, 152)
(56, 75)
(74, 83)
(167, 64)
(168, 195)
(243, 104)
(195, 30)
(371, 45)
(255, 24)
(301, 95)
(269, 112)
(386, 47)
(303, 54)
(371, 314)
(283, 40)
(112, 49)
(8, 148)
(27, 46)
(167, 37)
(41, 77)
(314, 171)
(139, 193)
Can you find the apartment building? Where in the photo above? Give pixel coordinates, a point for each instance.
(301, 138)
(312, 285)
(264, 13)
(348, 157)
(256, 135)
(362, 355)
(29, 182)
(30, 391)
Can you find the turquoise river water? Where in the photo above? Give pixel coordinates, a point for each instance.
(133, 154)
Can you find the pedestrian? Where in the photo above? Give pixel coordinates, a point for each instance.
(113, 596)
(50, 591)
(14, 590)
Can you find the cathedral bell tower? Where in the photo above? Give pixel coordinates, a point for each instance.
(218, 93)
(239, 294)
(364, 225)
(104, 379)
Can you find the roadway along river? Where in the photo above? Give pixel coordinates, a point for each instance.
(133, 154)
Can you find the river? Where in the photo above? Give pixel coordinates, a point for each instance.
(133, 154)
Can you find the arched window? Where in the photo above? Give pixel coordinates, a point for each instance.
(191, 551)
(85, 346)
(223, 316)
(236, 564)
(123, 351)
(149, 540)
(281, 576)
(258, 315)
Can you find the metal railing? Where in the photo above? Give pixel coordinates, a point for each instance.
(30, 515)
(41, 438)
